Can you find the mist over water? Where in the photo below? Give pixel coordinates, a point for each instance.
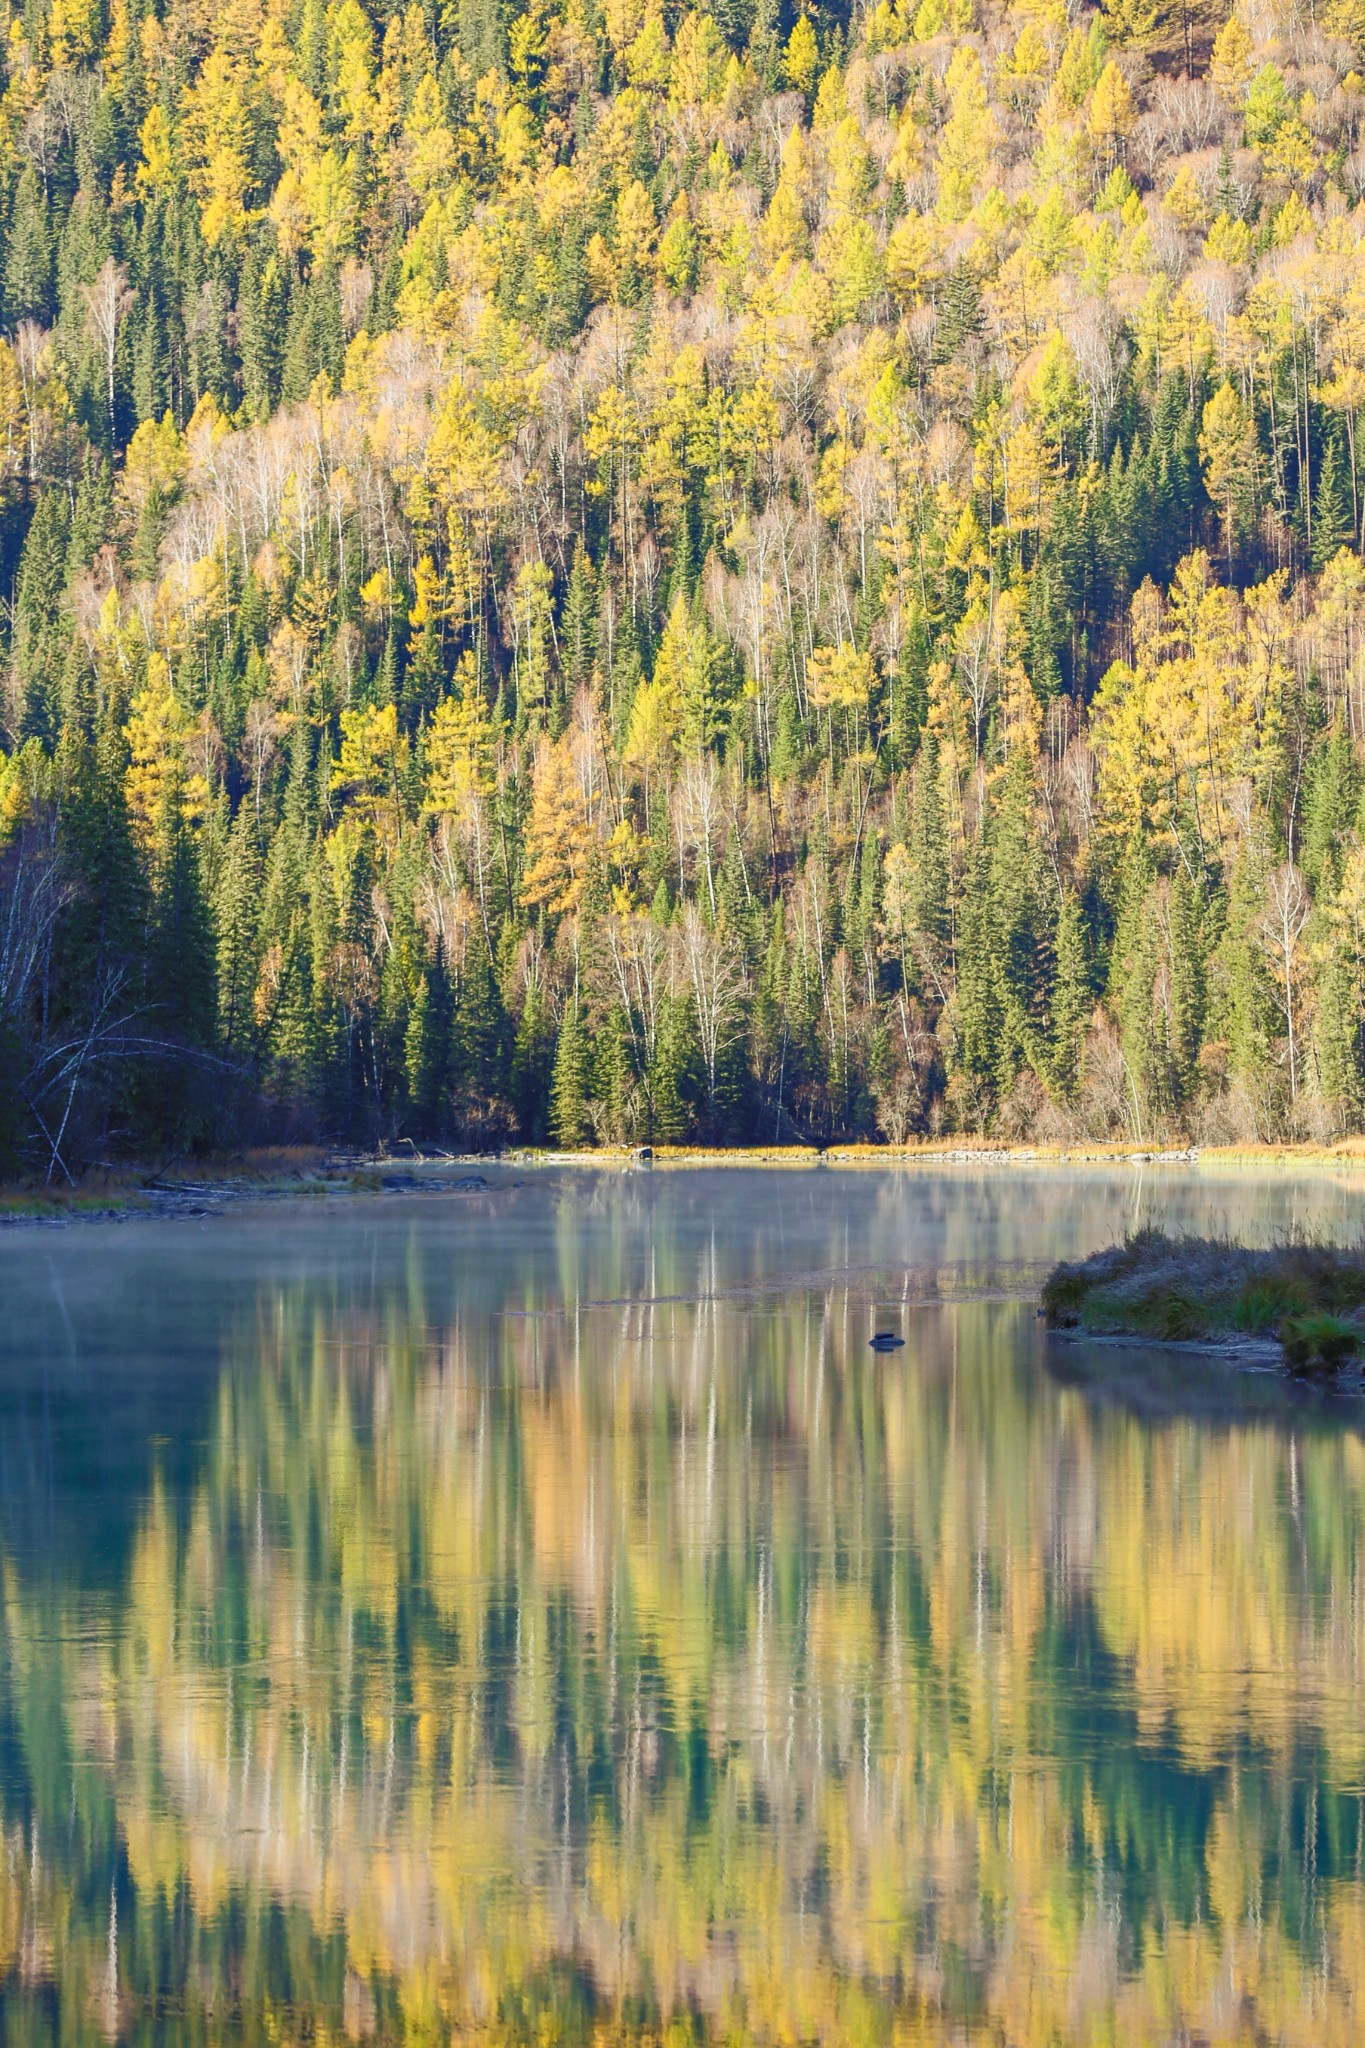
(537, 1615)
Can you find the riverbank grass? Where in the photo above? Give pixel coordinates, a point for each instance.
(1308, 1296)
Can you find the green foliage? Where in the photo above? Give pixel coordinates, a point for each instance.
(572, 1080)
(1268, 105)
(673, 1078)
(1315, 1345)
(428, 1050)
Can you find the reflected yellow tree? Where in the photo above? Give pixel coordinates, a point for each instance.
(545, 1673)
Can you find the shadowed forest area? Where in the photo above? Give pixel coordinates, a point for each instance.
(613, 573)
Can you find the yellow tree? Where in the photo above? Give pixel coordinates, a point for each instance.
(1112, 113)
(1230, 68)
(969, 138)
(840, 679)
(662, 705)
(157, 774)
(559, 834)
(802, 56)
(460, 756)
(532, 626)
(370, 767)
(1227, 448)
(460, 748)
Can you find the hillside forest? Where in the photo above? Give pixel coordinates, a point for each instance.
(617, 574)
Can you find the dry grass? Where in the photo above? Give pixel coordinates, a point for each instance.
(1308, 1294)
(108, 1189)
(966, 1149)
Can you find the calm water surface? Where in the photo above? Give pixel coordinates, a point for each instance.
(537, 1616)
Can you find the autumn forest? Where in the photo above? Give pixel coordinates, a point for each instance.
(610, 574)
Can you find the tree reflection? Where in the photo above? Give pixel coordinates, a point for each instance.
(660, 1672)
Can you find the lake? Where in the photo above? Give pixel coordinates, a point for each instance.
(537, 1615)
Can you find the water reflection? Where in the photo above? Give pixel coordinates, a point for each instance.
(526, 1641)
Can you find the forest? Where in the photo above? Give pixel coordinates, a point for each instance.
(610, 574)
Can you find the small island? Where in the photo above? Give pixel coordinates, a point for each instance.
(1308, 1297)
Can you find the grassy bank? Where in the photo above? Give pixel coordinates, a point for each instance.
(199, 1187)
(962, 1150)
(1308, 1297)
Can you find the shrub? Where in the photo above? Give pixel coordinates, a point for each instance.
(1318, 1345)
(1265, 1304)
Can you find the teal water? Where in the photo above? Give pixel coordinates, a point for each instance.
(537, 1615)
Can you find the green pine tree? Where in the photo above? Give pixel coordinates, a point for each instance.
(1333, 524)
(974, 1061)
(614, 1079)
(315, 339)
(178, 1098)
(673, 1073)
(480, 1045)
(150, 379)
(1072, 997)
(428, 1050)
(1022, 926)
(532, 1064)
(569, 1122)
(237, 909)
(578, 625)
(1331, 801)
(28, 255)
(1135, 966)
(40, 633)
(1186, 989)
(928, 847)
(262, 324)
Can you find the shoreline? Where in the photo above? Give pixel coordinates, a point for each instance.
(1249, 1353)
(1350, 1152)
(306, 1174)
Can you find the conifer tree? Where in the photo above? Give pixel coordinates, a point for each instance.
(578, 630)
(1072, 997)
(262, 325)
(103, 940)
(38, 630)
(150, 381)
(429, 1049)
(613, 1077)
(1186, 999)
(672, 1074)
(1242, 996)
(91, 514)
(1021, 926)
(1333, 523)
(1339, 1035)
(28, 255)
(928, 902)
(237, 910)
(180, 986)
(978, 1012)
(315, 339)
(1331, 801)
(1134, 970)
(569, 1124)
(480, 1043)
(532, 1067)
